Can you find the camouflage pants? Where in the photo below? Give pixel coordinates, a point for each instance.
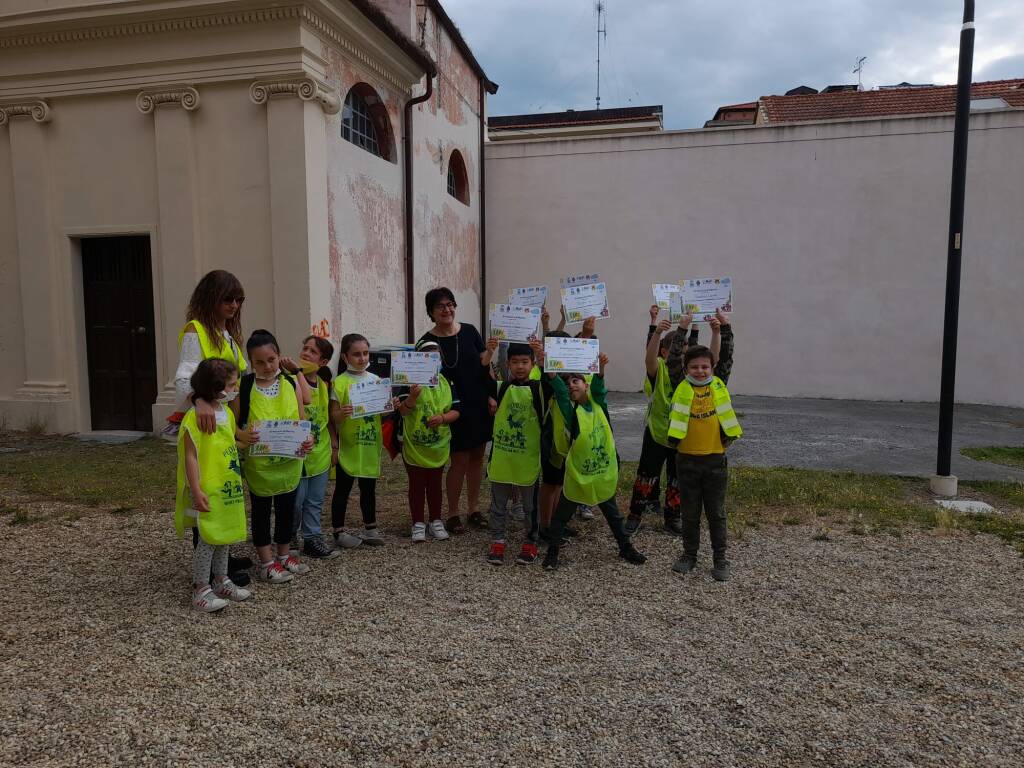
(647, 487)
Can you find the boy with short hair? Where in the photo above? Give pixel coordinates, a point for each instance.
(591, 467)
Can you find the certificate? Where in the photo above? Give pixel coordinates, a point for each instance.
(281, 437)
(583, 301)
(533, 296)
(571, 355)
(420, 368)
(704, 296)
(510, 322)
(370, 397)
(663, 294)
(575, 280)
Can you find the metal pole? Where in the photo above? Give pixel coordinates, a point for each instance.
(956, 226)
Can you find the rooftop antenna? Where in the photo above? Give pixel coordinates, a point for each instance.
(858, 70)
(600, 6)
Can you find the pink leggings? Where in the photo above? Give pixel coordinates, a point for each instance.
(424, 487)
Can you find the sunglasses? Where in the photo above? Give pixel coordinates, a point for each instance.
(235, 300)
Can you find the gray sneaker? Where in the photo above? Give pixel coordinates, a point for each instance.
(346, 540)
(371, 537)
(685, 564)
(720, 569)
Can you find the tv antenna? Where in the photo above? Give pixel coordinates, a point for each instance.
(601, 7)
(858, 70)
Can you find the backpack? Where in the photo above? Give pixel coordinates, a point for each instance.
(245, 395)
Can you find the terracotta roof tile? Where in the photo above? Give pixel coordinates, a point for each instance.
(882, 103)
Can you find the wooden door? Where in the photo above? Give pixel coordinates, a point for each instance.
(120, 338)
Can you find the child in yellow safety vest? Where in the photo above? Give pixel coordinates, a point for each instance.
(209, 487)
(591, 465)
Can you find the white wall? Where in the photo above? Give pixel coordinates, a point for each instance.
(835, 235)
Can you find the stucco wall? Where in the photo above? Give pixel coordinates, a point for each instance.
(834, 233)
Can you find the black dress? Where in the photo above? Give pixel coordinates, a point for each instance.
(460, 363)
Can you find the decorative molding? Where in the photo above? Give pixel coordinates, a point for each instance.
(185, 96)
(305, 88)
(37, 109)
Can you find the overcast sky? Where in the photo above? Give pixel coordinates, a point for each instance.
(693, 57)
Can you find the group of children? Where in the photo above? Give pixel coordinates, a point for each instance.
(552, 453)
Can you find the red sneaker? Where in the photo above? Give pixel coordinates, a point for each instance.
(497, 554)
(527, 554)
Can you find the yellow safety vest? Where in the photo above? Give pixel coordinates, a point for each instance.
(226, 351)
(515, 448)
(318, 460)
(359, 437)
(683, 399)
(273, 475)
(421, 445)
(661, 403)
(591, 468)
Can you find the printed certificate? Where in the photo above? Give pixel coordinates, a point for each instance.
(704, 296)
(663, 294)
(571, 355)
(420, 368)
(510, 322)
(281, 437)
(571, 282)
(583, 301)
(370, 397)
(533, 296)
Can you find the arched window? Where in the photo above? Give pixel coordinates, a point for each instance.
(364, 122)
(458, 179)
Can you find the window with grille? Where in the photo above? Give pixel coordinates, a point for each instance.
(357, 124)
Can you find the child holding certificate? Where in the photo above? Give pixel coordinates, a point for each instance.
(591, 468)
(359, 446)
(268, 394)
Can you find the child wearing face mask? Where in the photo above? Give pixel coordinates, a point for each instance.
(359, 446)
(209, 487)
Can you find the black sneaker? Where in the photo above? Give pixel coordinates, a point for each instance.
(551, 559)
(685, 564)
(315, 548)
(477, 520)
(720, 569)
(240, 578)
(674, 525)
(238, 564)
(569, 532)
(630, 555)
(454, 525)
(633, 524)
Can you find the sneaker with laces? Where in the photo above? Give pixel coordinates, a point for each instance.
(170, 432)
(228, 590)
(419, 533)
(316, 548)
(477, 520)
(630, 555)
(206, 601)
(720, 569)
(371, 537)
(437, 530)
(527, 555)
(273, 573)
(585, 512)
(685, 564)
(292, 564)
(496, 555)
(455, 525)
(346, 540)
(551, 559)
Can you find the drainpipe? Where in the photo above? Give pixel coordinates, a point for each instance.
(483, 219)
(407, 158)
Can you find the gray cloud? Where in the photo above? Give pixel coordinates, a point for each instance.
(694, 57)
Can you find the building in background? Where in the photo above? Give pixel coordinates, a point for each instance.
(574, 124)
(143, 143)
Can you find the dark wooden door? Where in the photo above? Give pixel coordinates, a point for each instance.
(120, 339)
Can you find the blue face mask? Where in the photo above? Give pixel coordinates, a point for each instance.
(699, 382)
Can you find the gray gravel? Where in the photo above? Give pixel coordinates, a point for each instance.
(859, 651)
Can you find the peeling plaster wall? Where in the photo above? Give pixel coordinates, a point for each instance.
(446, 230)
(365, 219)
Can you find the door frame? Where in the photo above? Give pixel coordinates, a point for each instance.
(73, 320)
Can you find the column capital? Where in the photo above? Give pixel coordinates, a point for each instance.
(305, 88)
(184, 96)
(37, 109)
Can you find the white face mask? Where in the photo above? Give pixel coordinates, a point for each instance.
(227, 397)
(354, 369)
(699, 382)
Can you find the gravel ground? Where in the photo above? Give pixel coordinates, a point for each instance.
(859, 651)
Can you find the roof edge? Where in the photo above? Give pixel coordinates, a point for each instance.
(461, 44)
(409, 47)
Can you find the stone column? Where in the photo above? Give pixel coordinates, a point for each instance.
(45, 390)
(177, 251)
(297, 152)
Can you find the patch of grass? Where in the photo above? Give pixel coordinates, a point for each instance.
(945, 521)
(997, 454)
(20, 517)
(1009, 492)
(37, 425)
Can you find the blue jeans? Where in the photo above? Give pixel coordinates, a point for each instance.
(309, 504)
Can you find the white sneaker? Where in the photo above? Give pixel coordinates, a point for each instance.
(228, 590)
(419, 533)
(292, 564)
(371, 537)
(346, 540)
(585, 512)
(207, 602)
(437, 530)
(273, 573)
(170, 432)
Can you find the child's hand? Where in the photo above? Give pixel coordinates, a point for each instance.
(306, 447)
(685, 320)
(588, 328)
(723, 318)
(250, 436)
(345, 411)
(492, 406)
(289, 365)
(654, 310)
(200, 500)
(435, 421)
(545, 317)
(396, 402)
(206, 416)
(603, 360)
(664, 325)
(538, 349)
(414, 393)
(334, 455)
(715, 323)
(492, 344)
(562, 310)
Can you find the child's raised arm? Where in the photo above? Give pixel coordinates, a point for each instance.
(653, 347)
(723, 366)
(488, 355)
(561, 323)
(674, 361)
(302, 386)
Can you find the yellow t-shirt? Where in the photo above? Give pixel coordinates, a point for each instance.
(703, 433)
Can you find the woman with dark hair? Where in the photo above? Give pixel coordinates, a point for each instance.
(462, 350)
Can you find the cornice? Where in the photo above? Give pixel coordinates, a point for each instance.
(185, 97)
(37, 109)
(305, 88)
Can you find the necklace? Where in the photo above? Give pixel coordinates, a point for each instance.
(440, 348)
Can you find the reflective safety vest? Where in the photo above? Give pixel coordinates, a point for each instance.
(515, 446)
(591, 468)
(318, 460)
(220, 478)
(272, 475)
(423, 446)
(683, 399)
(359, 437)
(227, 350)
(661, 403)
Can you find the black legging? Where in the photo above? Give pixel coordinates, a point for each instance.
(367, 499)
(284, 508)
